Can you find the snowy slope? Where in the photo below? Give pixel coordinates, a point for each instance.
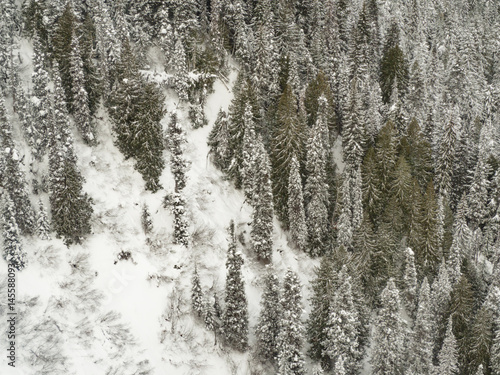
(86, 312)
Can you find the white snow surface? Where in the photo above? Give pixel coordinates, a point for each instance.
(76, 304)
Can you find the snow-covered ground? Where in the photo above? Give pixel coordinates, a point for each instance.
(83, 311)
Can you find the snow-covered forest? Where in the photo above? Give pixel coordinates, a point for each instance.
(250, 187)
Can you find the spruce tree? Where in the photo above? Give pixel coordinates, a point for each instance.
(410, 283)
(371, 185)
(249, 150)
(388, 334)
(446, 157)
(448, 356)
(235, 320)
(218, 141)
(296, 213)
(290, 337)
(176, 141)
(267, 329)
(12, 248)
(495, 349)
(197, 294)
(179, 66)
(353, 132)
(262, 217)
(42, 223)
(146, 221)
(481, 337)
(181, 235)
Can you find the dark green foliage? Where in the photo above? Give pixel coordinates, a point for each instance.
(12, 249)
(176, 140)
(218, 141)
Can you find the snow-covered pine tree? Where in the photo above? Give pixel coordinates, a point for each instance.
(197, 294)
(176, 141)
(342, 326)
(495, 349)
(448, 356)
(218, 141)
(146, 221)
(235, 319)
(423, 335)
(371, 185)
(353, 132)
(296, 213)
(42, 223)
(409, 283)
(267, 329)
(80, 105)
(316, 189)
(179, 66)
(291, 335)
(388, 334)
(249, 171)
(262, 216)
(446, 156)
(181, 235)
(12, 248)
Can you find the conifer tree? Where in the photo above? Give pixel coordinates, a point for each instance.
(296, 213)
(388, 334)
(42, 223)
(218, 141)
(235, 320)
(410, 283)
(353, 132)
(386, 156)
(12, 248)
(81, 111)
(446, 157)
(440, 302)
(342, 327)
(248, 169)
(176, 141)
(371, 185)
(267, 329)
(290, 337)
(146, 221)
(179, 66)
(197, 294)
(495, 349)
(448, 356)
(422, 351)
(262, 217)
(287, 142)
(181, 235)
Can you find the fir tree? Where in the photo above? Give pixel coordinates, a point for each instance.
(267, 329)
(495, 349)
(197, 294)
(262, 218)
(249, 150)
(388, 334)
(218, 141)
(386, 156)
(410, 283)
(371, 185)
(176, 141)
(42, 223)
(290, 339)
(446, 157)
(181, 235)
(296, 213)
(179, 66)
(353, 133)
(146, 221)
(235, 320)
(481, 337)
(422, 351)
(448, 356)
(12, 249)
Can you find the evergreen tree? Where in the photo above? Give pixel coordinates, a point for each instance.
(447, 358)
(262, 218)
(422, 351)
(388, 334)
(290, 337)
(342, 327)
(42, 223)
(446, 157)
(181, 235)
(296, 213)
(481, 337)
(12, 249)
(267, 329)
(146, 221)
(495, 349)
(371, 185)
(353, 133)
(235, 320)
(197, 294)
(410, 283)
(179, 66)
(287, 142)
(248, 169)
(81, 111)
(440, 302)
(218, 141)
(176, 141)
(386, 156)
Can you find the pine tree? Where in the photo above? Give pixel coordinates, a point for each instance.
(179, 66)
(342, 327)
(218, 141)
(290, 338)
(410, 283)
(353, 133)
(197, 294)
(248, 169)
(386, 156)
(176, 141)
(262, 217)
(286, 142)
(235, 320)
(146, 221)
(42, 223)
(446, 157)
(422, 351)
(296, 213)
(371, 185)
(440, 302)
(388, 334)
(481, 337)
(181, 235)
(448, 356)
(495, 349)
(267, 329)
(12, 248)
(81, 111)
